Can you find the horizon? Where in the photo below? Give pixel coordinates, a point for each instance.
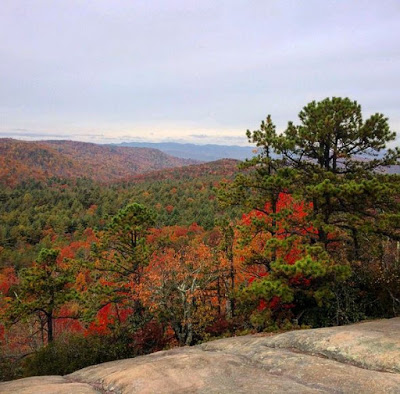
(189, 72)
(120, 142)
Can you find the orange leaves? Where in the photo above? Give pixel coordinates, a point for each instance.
(273, 238)
(181, 232)
(8, 278)
(180, 280)
(82, 280)
(91, 210)
(82, 247)
(64, 325)
(195, 228)
(23, 160)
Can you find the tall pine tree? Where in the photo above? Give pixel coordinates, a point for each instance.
(335, 164)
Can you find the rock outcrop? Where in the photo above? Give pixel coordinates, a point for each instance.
(362, 358)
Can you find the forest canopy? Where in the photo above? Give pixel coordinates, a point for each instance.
(304, 234)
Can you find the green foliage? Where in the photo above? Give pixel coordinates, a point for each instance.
(332, 164)
(36, 215)
(125, 237)
(318, 245)
(42, 290)
(10, 369)
(77, 351)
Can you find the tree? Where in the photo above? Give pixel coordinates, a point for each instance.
(125, 239)
(180, 282)
(227, 259)
(42, 291)
(332, 163)
(338, 157)
(119, 261)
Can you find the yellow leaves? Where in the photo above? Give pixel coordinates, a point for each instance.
(81, 281)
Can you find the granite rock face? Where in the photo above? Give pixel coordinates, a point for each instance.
(362, 358)
(46, 385)
(373, 345)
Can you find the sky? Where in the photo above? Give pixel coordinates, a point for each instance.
(189, 71)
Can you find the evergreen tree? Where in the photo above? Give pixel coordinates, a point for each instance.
(42, 290)
(333, 164)
(119, 261)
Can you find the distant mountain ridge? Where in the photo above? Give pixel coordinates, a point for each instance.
(209, 152)
(23, 160)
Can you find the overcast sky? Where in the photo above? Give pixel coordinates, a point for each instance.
(200, 71)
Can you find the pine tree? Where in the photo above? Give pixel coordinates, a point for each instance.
(119, 260)
(333, 164)
(42, 290)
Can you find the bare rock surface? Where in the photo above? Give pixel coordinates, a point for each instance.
(46, 385)
(372, 345)
(362, 358)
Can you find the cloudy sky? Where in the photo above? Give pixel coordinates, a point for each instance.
(200, 71)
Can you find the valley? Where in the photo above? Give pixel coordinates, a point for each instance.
(110, 252)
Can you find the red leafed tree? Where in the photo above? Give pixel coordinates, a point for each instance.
(180, 282)
(286, 273)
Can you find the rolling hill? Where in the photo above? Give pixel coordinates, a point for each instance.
(22, 160)
(218, 169)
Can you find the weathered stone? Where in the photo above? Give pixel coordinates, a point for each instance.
(317, 372)
(362, 358)
(372, 345)
(46, 385)
(189, 370)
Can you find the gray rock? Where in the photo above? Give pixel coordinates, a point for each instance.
(46, 385)
(362, 358)
(372, 345)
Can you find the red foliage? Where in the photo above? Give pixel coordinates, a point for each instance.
(152, 337)
(300, 280)
(63, 325)
(107, 317)
(8, 278)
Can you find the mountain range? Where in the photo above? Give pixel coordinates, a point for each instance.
(39, 160)
(209, 152)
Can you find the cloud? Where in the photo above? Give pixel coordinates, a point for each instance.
(139, 68)
(33, 135)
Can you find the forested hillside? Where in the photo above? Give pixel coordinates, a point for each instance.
(22, 160)
(37, 214)
(304, 234)
(225, 167)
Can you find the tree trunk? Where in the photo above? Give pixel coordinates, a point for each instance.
(50, 336)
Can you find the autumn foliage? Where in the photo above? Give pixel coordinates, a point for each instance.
(307, 236)
(21, 161)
